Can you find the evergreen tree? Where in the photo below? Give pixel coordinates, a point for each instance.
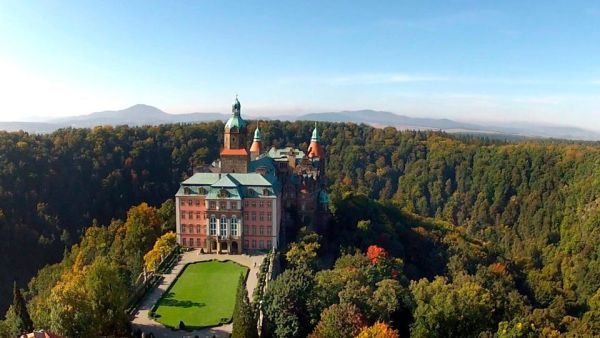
(244, 319)
(23, 321)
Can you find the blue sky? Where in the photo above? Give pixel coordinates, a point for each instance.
(467, 60)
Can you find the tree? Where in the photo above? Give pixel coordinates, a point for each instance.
(166, 215)
(303, 253)
(244, 318)
(339, 321)
(162, 247)
(446, 309)
(378, 330)
(22, 322)
(386, 299)
(107, 294)
(285, 303)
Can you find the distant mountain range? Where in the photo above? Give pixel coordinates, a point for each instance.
(141, 114)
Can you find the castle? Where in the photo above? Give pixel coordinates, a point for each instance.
(240, 202)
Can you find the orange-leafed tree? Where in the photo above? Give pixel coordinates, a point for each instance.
(376, 253)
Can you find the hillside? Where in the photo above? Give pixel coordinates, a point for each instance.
(515, 224)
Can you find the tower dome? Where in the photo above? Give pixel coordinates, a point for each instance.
(236, 120)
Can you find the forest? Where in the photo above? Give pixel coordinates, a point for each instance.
(440, 236)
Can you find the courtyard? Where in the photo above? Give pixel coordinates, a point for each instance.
(144, 322)
(202, 295)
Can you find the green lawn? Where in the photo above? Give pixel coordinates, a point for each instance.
(202, 295)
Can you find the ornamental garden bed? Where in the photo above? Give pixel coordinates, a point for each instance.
(203, 295)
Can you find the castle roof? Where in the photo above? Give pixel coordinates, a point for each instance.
(232, 186)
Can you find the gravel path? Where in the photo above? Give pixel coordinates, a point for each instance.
(142, 321)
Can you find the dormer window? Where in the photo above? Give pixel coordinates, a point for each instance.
(266, 192)
(223, 193)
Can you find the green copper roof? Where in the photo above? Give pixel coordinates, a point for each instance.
(236, 122)
(257, 136)
(315, 134)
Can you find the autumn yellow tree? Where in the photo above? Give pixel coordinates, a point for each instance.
(162, 247)
(378, 330)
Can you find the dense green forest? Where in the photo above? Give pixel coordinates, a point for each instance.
(453, 237)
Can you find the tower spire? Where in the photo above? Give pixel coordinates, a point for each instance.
(315, 149)
(256, 147)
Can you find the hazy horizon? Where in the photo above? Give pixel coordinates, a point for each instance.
(466, 61)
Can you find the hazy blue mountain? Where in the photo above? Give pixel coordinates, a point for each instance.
(385, 118)
(142, 114)
(511, 130)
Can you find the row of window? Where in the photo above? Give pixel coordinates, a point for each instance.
(261, 244)
(247, 215)
(260, 204)
(254, 244)
(233, 229)
(261, 216)
(225, 204)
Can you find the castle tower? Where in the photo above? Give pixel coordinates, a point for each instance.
(256, 148)
(315, 150)
(234, 156)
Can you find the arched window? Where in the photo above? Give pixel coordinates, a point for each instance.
(213, 225)
(223, 230)
(234, 226)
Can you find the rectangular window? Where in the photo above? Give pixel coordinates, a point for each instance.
(269, 245)
(268, 230)
(234, 226)
(261, 244)
(246, 203)
(254, 204)
(197, 229)
(183, 215)
(262, 216)
(222, 205)
(182, 202)
(261, 204)
(254, 215)
(197, 202)
(268, 204)
(234, 205)
(262, 230)
(191, 215)
(183, 228)
(246, 216)
(212, 205)
(198, 242)
(253, 244)
(198, 215)
(213, 225)
(246, 243)
(190, 202)
(185, 242)
(269, 216)
(254, 229)
(223, 228)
